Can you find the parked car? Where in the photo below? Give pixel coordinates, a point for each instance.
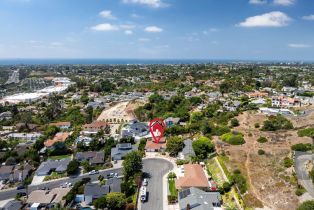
(111, 175)
(21, 194)
(20, 187)
(93, 172)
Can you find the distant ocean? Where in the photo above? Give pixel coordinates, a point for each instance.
(120, 61)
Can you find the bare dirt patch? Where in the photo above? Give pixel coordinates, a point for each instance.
(270, 183)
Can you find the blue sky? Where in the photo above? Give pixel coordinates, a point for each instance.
(182, 29)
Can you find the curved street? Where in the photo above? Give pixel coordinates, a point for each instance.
(156, 168)
(300, 160)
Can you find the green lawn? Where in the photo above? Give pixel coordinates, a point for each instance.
(172, 187)
(55, 175)
(58, 157)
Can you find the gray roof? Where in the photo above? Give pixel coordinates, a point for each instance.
(188, 149)
(115, 184)
(5, 172)
(118, 152)
(199, 199)
(92, 156)
(135, 128)
(58, 165)
(13, 205)
(96, 190)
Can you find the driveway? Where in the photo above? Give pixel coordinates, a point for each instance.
(300, 160)
(156, 168)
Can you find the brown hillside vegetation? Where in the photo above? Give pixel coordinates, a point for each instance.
(270, 183)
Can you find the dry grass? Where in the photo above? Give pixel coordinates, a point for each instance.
(269, 182)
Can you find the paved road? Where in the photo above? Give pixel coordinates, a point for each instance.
(300, 160)
(6, 194)
(156, 168)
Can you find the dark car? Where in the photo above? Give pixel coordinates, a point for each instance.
(20, 187)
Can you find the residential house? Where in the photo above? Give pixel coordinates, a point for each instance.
(152, 146)
(6, 172)
(283, 101)
(59, 137)
(84, 140)
(171, 121)
(10, 204)
(21, 173)
(94, 158)
(196, 199)
(257, 94)
(188, 150)
(232, 105)
(61, 125)
(48, 166)
(6, 115)
(93, 191)
(94, 127)
(135, 129)
(118, 152)
(45, 199)
(114, 184)
(194, 176)
(25, 136)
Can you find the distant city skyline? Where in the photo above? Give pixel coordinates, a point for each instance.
(158, 29)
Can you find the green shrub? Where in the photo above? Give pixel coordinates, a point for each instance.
(309, 132)
(234, 122)
(181, 162)
(256, 125)
(302, 147)
(233, 138)
(275, 123)
(307, 205)
(261, 152)
(262, 139)
(287, 162)
(300, 191)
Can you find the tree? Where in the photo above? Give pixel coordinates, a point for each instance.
(100, 203)
(174, 145)
(307, 205)
(73, 167)
(115, 201)
(132, 164)
(202, 147)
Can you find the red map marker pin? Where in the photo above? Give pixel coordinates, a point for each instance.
(157, 128)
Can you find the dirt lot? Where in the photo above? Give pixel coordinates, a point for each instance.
(121, 112)
(270, 183)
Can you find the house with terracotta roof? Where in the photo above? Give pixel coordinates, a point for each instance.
(152, 146)
(59, 137)
(194, 176)
(257, 94)
(283, 101)
(95, 127)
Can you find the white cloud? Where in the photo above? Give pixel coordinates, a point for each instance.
(308, 17)
(105, 27)
(107, 14)
(150, 3)
(134, 15)
(128, 32)
(299, 45)
(259, 2)
(272, 19)
(153, 29)
(284, 2)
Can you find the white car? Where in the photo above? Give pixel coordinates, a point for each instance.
(145, 182)
(93, 172)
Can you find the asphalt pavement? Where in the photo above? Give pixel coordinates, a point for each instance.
(303, 177)
(6, 194)
(156, 169)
